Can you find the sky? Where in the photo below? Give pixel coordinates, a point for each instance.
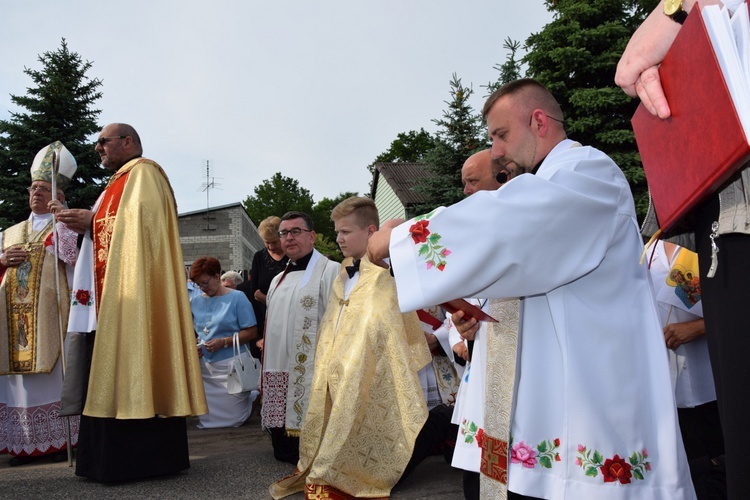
(312, 89)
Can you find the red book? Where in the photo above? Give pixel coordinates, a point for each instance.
(689, 155)
(470, 311)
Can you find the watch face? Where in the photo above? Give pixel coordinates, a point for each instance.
(672, 6)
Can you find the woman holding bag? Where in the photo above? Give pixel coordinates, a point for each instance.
(218, 313)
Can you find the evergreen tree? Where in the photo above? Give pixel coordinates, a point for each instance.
(575, 57)
(510, 70)
(58, 107)
(460, 135)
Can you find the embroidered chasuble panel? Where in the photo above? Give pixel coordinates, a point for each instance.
(29, 318)
(104, 223)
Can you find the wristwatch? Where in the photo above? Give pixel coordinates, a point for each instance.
(674, 10)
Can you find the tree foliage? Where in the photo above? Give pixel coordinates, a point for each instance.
(459, 135)
(276, 196)
(409, 146)
(280, 194)
(510, 70)
(59, 106)
(576, 56)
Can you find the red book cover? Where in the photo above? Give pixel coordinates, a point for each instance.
(470, 311)
(689, 155)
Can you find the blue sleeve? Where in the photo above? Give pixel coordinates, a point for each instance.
(243, 310)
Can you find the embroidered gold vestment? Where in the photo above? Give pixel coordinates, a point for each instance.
(144, 361)
(29, 329)
(367, 405)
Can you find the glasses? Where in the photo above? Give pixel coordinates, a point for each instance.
(204, 284)
(104, 140)
(42, 189)
(531, 119)
(294, 232)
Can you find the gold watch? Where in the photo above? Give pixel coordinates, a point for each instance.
(675, 11)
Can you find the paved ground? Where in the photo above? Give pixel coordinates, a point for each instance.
(225, 463)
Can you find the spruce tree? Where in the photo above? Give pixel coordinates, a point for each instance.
(459, 136)
(58, 107)
(575, 56)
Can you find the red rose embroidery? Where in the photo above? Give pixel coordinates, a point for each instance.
(419, 231)
(480, 437)
(616, 469)
(83, 296)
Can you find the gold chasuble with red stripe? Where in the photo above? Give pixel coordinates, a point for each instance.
(145, 362)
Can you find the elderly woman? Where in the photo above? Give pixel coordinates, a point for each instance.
(218, 313)
(231, 279)
(267, 263)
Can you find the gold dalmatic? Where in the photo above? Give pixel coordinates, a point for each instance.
(32, 342)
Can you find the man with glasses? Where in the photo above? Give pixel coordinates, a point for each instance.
(30, 373)
(593, 413)
(131, 303)
(296, 300)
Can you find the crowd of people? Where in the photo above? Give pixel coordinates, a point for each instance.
(597, 375)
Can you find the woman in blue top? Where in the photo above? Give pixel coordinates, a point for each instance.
(218, 313)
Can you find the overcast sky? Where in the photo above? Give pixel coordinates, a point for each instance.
(312, 89)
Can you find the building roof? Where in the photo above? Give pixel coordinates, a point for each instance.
(402, 177)
(211, 209)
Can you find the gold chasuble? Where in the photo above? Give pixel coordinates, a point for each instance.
(367, 405)
(144, 362)
(28, 317)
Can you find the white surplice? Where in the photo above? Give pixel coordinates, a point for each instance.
(594, 414)
(469, 411)
(689, 364)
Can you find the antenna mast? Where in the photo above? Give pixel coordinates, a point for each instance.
(207, 186)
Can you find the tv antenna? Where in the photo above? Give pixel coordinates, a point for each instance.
(207, 187)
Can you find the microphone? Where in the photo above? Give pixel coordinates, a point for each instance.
(502, 177)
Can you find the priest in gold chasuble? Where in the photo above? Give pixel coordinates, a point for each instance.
(144, 372)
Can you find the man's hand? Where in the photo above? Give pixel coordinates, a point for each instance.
(467, 327)
(77, 219)
(461, 350)
(380, 241)
(677, 334)
(260, 296)
(638, 69)
(13, 256)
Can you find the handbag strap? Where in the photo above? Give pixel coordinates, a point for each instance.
(236, 349)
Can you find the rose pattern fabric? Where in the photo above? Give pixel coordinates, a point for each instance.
(613, 469)
(430, 248)
(82, 297)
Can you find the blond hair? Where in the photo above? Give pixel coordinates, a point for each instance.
(269, 228)
(366, 213)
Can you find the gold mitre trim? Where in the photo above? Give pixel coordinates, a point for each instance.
(41, 168)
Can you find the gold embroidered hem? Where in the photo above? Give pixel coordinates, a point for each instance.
(326, 492)
(367, 406)
(29, 326)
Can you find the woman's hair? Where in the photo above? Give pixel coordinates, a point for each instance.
(269, 228)
(204, 265)
(233, 276)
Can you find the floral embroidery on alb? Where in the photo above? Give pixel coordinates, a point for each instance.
(613, 469)
(430, 248)
(545, 454)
